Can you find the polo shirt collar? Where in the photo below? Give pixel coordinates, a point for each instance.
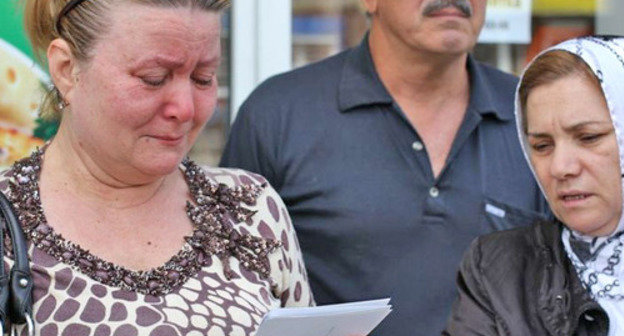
(360, 86)
(483, 98)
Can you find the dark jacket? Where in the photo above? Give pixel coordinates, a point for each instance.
(521, 282)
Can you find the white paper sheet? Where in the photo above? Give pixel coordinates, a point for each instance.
(346, 319)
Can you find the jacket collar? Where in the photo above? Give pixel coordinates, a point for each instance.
(360, 85)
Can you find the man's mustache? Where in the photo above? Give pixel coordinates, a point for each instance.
(437, 5)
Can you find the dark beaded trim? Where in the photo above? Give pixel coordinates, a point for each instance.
(217, 208)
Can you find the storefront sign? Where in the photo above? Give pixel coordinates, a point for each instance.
(507, 21)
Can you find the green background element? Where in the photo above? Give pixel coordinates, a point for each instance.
(12, 31)
(11, 26)
(45, 129)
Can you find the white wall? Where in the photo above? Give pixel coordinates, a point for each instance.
(261, 44)
(609, 15)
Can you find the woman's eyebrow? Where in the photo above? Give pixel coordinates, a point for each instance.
(571, 128)
(160, 61)
(538, 135)
(579, 126)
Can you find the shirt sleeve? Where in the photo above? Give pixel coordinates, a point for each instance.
(471, 314)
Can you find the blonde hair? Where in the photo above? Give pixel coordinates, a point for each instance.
(80, 28)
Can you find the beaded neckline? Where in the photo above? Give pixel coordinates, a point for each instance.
(217, 207)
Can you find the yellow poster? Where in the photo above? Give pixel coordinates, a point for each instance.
(564, 7)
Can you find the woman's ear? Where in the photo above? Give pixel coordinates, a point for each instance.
(62, 66)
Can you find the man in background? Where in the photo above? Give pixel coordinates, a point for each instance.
(391, 157)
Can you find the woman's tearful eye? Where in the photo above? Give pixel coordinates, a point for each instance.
(153, 80)
(153, 77)
(203, 80)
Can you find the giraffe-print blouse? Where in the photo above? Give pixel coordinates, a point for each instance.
(209, 288)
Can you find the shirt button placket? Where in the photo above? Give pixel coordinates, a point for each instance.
(434, 192)
(417, 146)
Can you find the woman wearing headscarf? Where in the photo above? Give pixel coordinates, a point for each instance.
(564, 277)
(126, 236)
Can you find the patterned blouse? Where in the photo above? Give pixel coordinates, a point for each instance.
(242, 260)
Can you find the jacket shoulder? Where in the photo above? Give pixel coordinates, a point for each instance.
(515, 247)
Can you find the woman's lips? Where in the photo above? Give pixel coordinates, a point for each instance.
(574, 198)
(169, 139)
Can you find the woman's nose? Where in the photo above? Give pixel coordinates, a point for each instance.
(180, 105)
(565, 162)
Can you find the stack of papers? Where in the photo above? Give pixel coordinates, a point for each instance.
(346, 319)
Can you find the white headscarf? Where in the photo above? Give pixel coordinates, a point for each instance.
(598, 260)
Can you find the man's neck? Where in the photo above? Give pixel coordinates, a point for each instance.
(432, 90)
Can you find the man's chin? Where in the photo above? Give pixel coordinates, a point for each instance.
(452, 43)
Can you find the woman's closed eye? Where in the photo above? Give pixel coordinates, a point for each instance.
(154, 80)
(203, 79)
(590, 138)
(153, 77)
(158, 81)
(541, 146)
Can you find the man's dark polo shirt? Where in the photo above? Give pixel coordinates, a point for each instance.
(372, 220)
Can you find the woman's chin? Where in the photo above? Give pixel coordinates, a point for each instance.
(160, 166)
(590, 228)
